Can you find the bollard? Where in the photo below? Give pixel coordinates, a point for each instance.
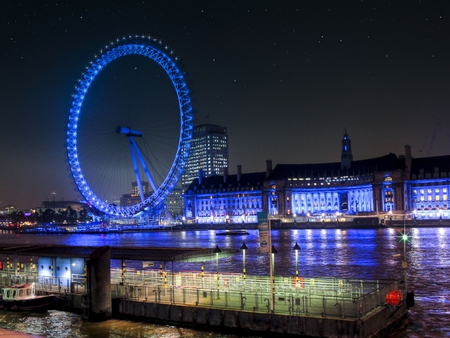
(243, 299)
(305, 303)
(291, 304)
(268, 304)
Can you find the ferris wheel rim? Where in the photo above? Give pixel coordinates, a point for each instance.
(153, 49)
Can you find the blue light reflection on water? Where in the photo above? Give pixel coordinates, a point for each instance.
(351, 253)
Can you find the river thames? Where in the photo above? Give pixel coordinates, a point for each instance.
(349, 253)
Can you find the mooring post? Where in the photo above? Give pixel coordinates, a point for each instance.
(99, 276)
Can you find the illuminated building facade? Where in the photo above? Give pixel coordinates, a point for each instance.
(387, 186)
(428, 189)
(225, 198)
(209, 152)
(135, 197)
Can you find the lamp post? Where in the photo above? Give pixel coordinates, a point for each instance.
(273, 252)
(272, 278)
(404, 262)
(217, 251)
(296, 248)
(243, 248)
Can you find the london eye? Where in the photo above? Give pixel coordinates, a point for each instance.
(129, 131)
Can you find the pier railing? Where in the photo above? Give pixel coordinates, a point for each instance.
(326, 297)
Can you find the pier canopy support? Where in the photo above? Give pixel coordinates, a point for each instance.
(99, 282)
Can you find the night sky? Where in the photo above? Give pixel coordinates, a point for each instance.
(285, 77)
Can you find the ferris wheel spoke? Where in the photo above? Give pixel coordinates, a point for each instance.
(87, 177)
(136, 170)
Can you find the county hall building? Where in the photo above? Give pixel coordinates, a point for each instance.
(386, 186)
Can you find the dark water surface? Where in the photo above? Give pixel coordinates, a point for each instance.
(351, 253)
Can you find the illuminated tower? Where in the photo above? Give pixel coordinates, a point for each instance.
(346, 155)
(209, 153)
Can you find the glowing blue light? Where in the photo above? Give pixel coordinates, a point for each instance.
(182, 153)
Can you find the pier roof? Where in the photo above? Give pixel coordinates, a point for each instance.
(126, 253)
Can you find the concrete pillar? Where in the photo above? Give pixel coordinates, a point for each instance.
(99, 281)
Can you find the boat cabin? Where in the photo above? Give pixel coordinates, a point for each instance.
(19, 292)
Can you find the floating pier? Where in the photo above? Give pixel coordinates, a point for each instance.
(314, 307)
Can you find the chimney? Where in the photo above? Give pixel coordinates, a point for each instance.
(225, 175)
(408, 159)
(239, 172)
(268, 168)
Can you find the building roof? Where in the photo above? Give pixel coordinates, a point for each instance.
(361, 167)
(218, 181)
(428, 164)
(127, 253)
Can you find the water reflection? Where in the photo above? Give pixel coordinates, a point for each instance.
(365, 253)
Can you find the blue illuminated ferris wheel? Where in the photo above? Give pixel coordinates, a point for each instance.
(124, 143)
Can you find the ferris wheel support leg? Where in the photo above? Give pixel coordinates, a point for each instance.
(136, 170)
(144, 166)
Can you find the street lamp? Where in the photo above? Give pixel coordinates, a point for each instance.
(243, 248)
(217, 251)
(274, 251)
(296, 248)
(272, 278)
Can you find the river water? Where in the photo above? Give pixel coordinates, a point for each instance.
(350, 253)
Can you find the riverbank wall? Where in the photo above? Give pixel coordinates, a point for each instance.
(358, 223)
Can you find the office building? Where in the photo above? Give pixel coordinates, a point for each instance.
(209, 153)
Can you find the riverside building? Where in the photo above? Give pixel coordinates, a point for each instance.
(387, 186)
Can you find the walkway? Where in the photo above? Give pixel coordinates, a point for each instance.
(13, 334)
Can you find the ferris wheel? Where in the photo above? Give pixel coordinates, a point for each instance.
(129, 131)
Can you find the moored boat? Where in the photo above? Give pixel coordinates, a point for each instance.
(23, 297)
(232, 233)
